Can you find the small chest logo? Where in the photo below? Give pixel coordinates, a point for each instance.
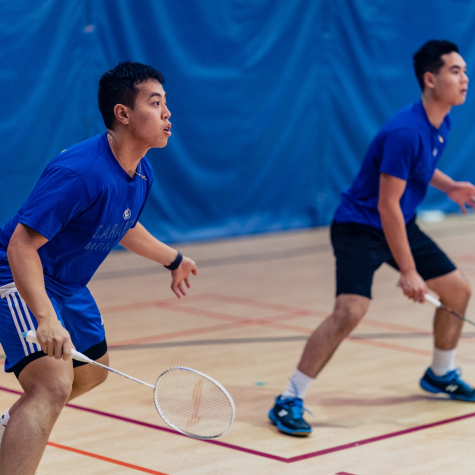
(127, 213)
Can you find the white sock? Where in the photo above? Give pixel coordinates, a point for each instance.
(5, 418)
(298, 386)
(443, 361)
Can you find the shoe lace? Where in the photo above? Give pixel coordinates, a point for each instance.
(297, 408)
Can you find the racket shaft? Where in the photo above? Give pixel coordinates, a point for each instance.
(31, 337)
(439, 304)
(112, 370)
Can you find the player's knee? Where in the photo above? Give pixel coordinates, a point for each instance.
(53, 392)
(347, 319)
(464, 289)
(467, 288)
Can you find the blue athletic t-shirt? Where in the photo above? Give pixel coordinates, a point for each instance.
(83, 203)
(407, 147)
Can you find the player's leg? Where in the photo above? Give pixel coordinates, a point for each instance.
(454, 291)
(85, 326)
(443, 376)
(15, 317)
(83, 320)
(442, 277)
(88, 376)
(348, 312)
(359, 251)
(287, 413)
(47, 384)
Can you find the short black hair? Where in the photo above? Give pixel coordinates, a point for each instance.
(118, 86)
(428, 58)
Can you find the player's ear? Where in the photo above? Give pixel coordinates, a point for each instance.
(429, 80)
(121, 113)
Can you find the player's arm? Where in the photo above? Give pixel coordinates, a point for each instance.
(139, 241)
(29, 280)
(391, 190)
(462, 192)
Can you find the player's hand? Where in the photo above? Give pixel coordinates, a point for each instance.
(182, 274)
(413, 286)
(463, 193)
(54, 339)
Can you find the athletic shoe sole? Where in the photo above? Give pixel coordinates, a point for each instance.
(432, 389)
(285, 430)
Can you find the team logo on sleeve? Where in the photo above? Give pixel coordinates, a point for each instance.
(127, 213)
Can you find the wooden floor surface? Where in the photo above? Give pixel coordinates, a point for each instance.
(244, 322)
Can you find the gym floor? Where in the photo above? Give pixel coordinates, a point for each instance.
(245, 320)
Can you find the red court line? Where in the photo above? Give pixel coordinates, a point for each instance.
(295, 312)
(355, 339)
(378, 438)
(169, 336)
(305, 312)
(344, 473)
(174, 305)
(297, 458)
(164, 429)
(465, 258)
(389, 346)
(259, 304)
(267, 321)
(105, 459)
(152, 303)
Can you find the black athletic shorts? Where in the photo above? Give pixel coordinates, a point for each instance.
(94, 352)
(361, 249)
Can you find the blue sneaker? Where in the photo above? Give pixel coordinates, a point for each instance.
(450, 384)
(287, 416)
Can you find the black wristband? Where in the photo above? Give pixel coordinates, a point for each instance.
(176, 263)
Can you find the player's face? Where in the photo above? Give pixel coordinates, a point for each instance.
(149, 119)
(451, 82)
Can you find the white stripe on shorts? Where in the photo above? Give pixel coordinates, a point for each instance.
(8, 291)
(22, 320)
(28, 317)
(23, 341)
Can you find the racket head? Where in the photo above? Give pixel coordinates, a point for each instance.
(193, 403)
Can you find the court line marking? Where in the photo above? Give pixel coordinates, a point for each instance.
(221, 261)
(269, 339)
(157, 427)
(297, 458)
(174, 305)
(168, 336)
(344, 473)
(267, 321)
(286, 253)
(380, 437)
(105, 459)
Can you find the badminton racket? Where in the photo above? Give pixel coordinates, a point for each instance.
(439, 304)
(188, 400)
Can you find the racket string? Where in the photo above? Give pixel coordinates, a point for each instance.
(193, 404)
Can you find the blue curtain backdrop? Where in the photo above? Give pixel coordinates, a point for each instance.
(273, 102)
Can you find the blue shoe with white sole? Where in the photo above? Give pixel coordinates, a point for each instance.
(287, 415)
(451, 384)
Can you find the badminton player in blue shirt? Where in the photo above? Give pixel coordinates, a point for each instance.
(375, 223)
(88, 200)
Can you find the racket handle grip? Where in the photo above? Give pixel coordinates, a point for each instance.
(31, 337)
(433, 300)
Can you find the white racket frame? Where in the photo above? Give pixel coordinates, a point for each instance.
(31, 337)
(209, 378)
